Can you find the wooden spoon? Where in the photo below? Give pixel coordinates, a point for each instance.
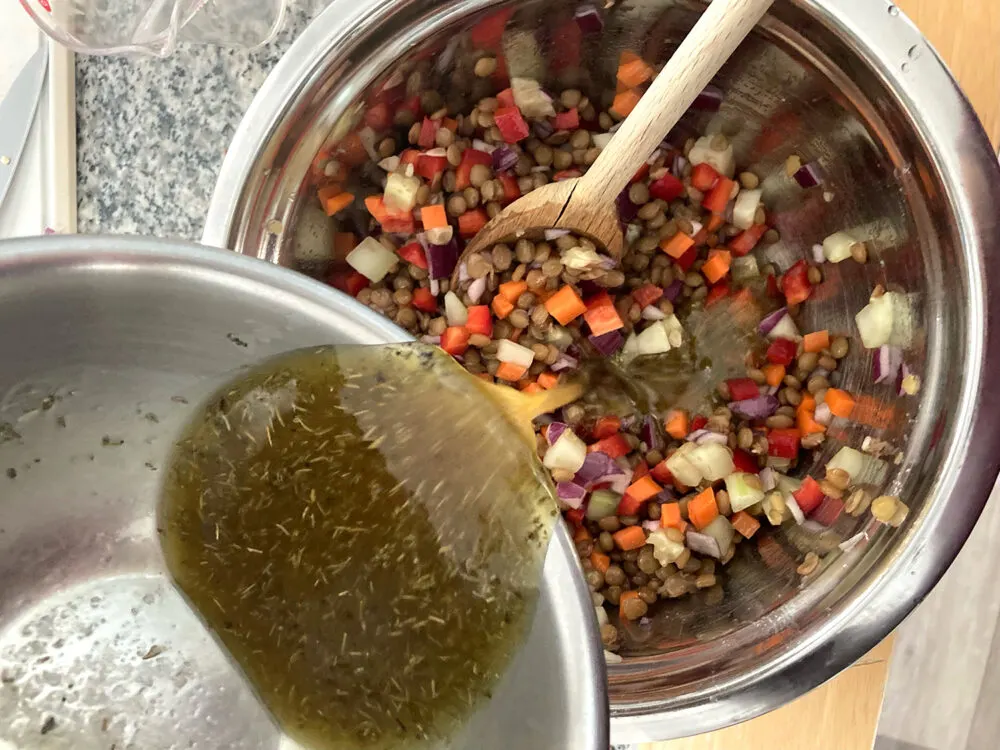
(586, 205)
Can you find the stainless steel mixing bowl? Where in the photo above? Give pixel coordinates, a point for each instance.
(848, 85)
(107, 345)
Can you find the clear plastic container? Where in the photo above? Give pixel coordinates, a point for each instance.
(154, 27)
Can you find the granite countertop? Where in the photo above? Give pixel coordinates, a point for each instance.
(151, 133)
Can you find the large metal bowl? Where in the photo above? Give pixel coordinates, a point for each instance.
(108, 343)
(849, 85)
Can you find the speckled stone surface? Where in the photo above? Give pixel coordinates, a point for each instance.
(151, 133)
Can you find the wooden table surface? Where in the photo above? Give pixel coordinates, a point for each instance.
(843, 714)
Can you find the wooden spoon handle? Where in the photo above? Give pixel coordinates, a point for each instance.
(719, 31)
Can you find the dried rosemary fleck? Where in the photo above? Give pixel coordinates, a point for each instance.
(364, 531)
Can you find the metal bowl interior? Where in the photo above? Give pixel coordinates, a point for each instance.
(849, 86)
(109, 345)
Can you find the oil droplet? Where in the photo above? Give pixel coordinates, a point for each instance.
(915, 52)
(905, 67)
(893, 10)
(275, 226)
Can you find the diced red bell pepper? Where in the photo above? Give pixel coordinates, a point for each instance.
(783, 443)
(647, 294)
(629, 506)
(575, 516)
(781, 352)
(704, 177)
(601, 315)
(687, 260)
(430, 167)
(455, 340)
(615, 446)
(698, 421)
(640, 174)
(511, 190)
(744, 461)
(747, 240)
(428, 133)
(742, 388)
(480, 320)
(566, 174)
(795, 284)
(809, 495)
(506, 98)
(641, 469)
(378, 117)
(413, 105)
(717, 292)
(606, 427)
(424, 300)
(471, 222)
(717, 198)
(488, 33)
(350, 282)
(470, 157)
(667, 188)
(772, 286)
(564, 46)
(414, 254)
(828, 511)
(661, 473)
(568, 120)
(410, 156)
(511, 124)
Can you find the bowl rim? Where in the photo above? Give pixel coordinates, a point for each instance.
(943, 120)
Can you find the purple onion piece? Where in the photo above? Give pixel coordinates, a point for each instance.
(627, 210)
(823, 414)
(709, 100)
(666, 495)
(542, 129)
(476, 290)
(712, 437)
(760, 407)
(672, 292)
(703, 544)
(651, 525)
(571, 494)
(771, 320)
(589, 288)
(768, 480)
(442, 259)
(608, 343)
(650, 433)
(808, 176)
(565, 362)
(692, 437)
(589, 19)
(886, 364)
(504, 158)
(596, 466)
(607, 262)
(555, 431)
(680, 162)
(652, 312)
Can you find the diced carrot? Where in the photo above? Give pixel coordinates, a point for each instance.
(333, 200)
(565, 305)
(510, 372)
(715, 222)
(677, 245)
(601, 315)
(502, 307)
(633, 70)
(702, 508)
(449, 123)
(343, 243)
(816, 342)
(600, 561)
(871, 411)
(643, 489)
(511, 290)
(631, 537)
(434, 217)
(471, 222)
(529, 387)
(677, 424)
(745, 524)
(808, 403)
(548, 380)
(641, 469)
(774, 374)
(625, 102)
(717, 265)
(606, 427)
(841, 403)
(670, 516)
(580, 534)
(625, 596)
(806, 423)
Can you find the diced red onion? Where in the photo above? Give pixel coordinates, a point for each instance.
(571, 494)
(627, 210)
(772, 390)
(483, 146)
(476, 290)
(886, 364)
(808, 176)
(823, 414)
(760, 407)
(653, 157)
(709, 100)
(712, 437)
(428, 339)
(441, 259)
(771, 320)
(768, 480)
(848, 544)
(793, 506)
(828, 511)
(650, 434)
(607, 262)
(444, 59)
(554, 234)
(542, 129)
(652, 312)
(608, 343)
(504, 158)
(555, 431)
(692, 437)
(680, 163)
(817, 253)
(463, 272)
(672, 292)
(589, 19)
(650, 525)
(434, 287)
(565, 362)
(595, 468)
(703, 544)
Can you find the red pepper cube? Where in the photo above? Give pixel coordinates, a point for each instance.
(745, 461)
(647, 294)
(795, 284)
(747, 240)
(687, 260)
(480, 320)
(350, 282)
(667, 188)
(704, 177)
(471, 222)
(615, 446)
(455, 340)
(424, 300)
(601, 315)
(781, 352)
(511, 124)
(629, 506)
(606, 427)
(742, 388)
(717, 292)
(430, 167)
(698, 421)
(470, 157)
(568, 120)
(783, 443)
(428, 133)
(809, 495)
(717, 198)
(511, 190)
(506, 98)
(414, 254)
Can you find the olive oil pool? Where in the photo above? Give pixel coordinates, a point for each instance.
(364, 531)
